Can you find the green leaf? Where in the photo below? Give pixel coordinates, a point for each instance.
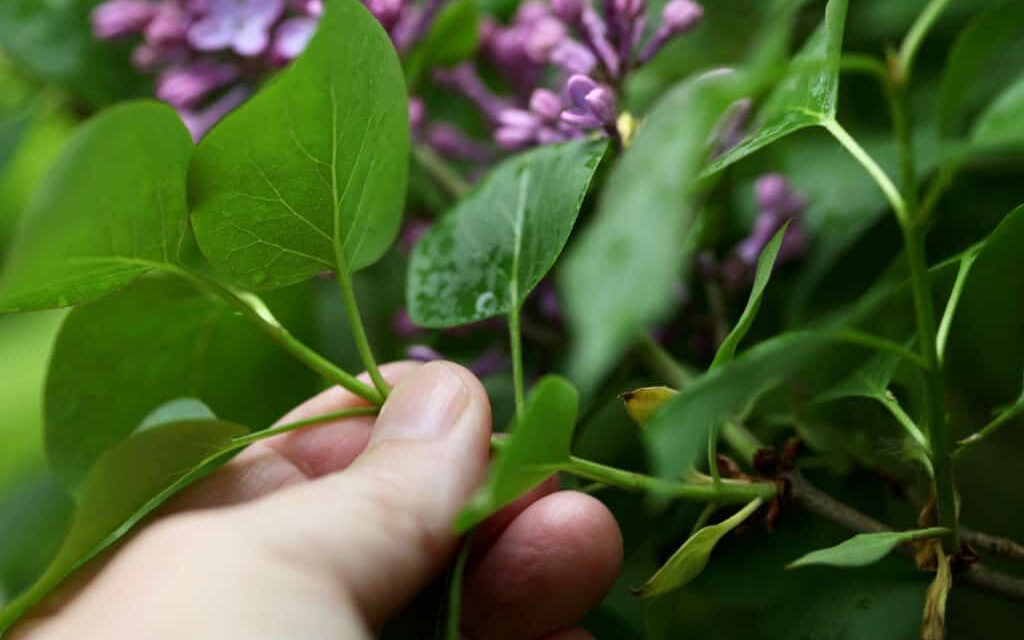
(534, 451)
(484, 257)
(127, 483)
(765, 265)
(989, 326)
(118, 358)
(53, 41)
(689, 561)
(34, 517)
(983, 61)
(864, 549)
(309, 175)
(618, 279)
(1000, 126)
(453, 603)
(112, 209)
(870, 381)
(455, 34)
(677, 435)
(806, 95)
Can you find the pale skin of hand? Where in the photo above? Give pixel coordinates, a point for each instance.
(327, 533)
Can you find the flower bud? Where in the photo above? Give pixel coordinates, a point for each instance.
(568, 11)
(573, 57)
(680, 16)
(422, 353)
(118, 18)
(546, 104)
(542, 38)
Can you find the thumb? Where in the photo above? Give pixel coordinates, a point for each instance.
(383, 527)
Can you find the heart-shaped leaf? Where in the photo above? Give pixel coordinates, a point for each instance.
(538, 444)
(864, 549)
(309, 175)
(117, 358)
(127, 483)
(618, 279)
(111, 209)
(806, 95)
(486, 255)
(691, 558)
(765, 265)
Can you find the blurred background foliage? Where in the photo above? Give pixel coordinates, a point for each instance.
(53, 73)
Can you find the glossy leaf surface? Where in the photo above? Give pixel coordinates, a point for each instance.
(485, 256)
(806, 95)
(309, 175)
(112, 209)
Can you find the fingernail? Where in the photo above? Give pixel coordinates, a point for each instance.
(424, 406)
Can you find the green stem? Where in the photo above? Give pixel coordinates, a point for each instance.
(245, 441)
(1002, 419)
(662, 364)
(726, 493)
(516, 347)
(861, 63)
(441, 171)
(355, 322)
(874, 170)
(912, 42)
(935, 410)
(741, 440)
(716, 478)
(890, 402)
(256, 312)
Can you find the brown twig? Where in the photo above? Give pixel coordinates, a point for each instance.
(814, 500)
(995, 545)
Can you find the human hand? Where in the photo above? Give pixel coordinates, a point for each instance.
(328, 532)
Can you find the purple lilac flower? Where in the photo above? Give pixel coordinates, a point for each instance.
(119, 18)
(422, 353)
(404, 326)
(778, 204)
(241, 25)
(209, 55)
(590, 48)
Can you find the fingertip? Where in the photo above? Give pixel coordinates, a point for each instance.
(552, 564)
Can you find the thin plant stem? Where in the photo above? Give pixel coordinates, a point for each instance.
(246, 440)
(516, 347)
(441, 171)
(951, 305)
(725, 493)
(918, 31)
(893, 406)
(260, 316)
(662, 364)
(999, 422)
(716, 478)
(355, 322)
(703, 518)
(876, 172)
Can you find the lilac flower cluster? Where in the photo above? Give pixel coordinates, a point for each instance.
(210, 55)
(591, 49)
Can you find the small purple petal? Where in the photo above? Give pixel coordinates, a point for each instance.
(580, 118)
(291, 38)
(490, 362)
(417, 112)
(546, 104)
(771, 190)
(422, 353)
(602, 104)
(200, 122)
(573, 57)
(513, 138)
(542, 38)
(118, 18)
(212, 33)
(568, 11)
(404, 326)
(451, 142)
(577, 88)
(169, 26)
(184, 87)
(519, 119)
(680, 16)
